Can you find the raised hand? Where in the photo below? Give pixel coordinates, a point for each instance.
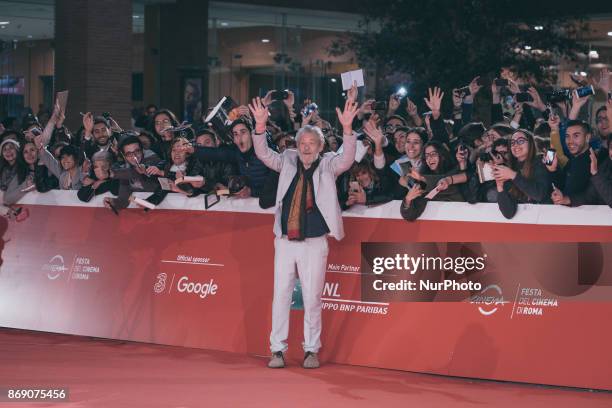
(267, 100)
(374, 132)
(346, 117)
(351, 94)
(411, 108)
(394, 103)
(290, 100)
(243, 111)
(553, 121)
(260, 112)
(593, 161)
(537, 100)
(577, 103)
(88, 123)
(457, 99)
(604, 80)
(434, 101)
(513, 87)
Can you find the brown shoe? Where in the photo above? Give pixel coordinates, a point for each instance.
(311, 360)
(277, 360)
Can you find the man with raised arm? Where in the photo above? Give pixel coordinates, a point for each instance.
(307, 210)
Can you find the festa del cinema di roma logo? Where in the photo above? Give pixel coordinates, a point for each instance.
(489, 299)
(82, 268)
(55, 267)
(201, 289)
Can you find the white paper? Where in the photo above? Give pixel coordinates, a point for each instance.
(144, 203)
(352, 76)
(214, 110)
(189, 179)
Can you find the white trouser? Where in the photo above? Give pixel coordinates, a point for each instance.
(310, 258)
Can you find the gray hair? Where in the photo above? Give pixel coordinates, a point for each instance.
(313, 130)
(102, 156)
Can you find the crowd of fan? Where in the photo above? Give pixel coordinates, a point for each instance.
(405, 154)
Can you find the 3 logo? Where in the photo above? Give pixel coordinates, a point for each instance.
(160, 285)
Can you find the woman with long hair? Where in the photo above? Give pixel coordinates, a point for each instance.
(438, 172)
(162, 120)
(525, 180)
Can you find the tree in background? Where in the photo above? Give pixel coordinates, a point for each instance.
(449, 42)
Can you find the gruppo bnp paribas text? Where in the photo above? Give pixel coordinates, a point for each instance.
(414, 264)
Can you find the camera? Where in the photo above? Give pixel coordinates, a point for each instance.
(465, 91)
(501, 82)
(484, 157)
(280, 95)
(308, 109)
(559, 95)
(523, 97)
(585, 91)
(379, 105)
(236, 183)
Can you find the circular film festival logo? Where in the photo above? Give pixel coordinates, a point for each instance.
(55, 267)
(489, 299)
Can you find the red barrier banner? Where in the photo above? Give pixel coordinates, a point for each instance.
(204, 279)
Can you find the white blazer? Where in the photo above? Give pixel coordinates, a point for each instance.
(331, 165)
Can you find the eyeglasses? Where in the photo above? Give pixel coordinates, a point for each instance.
(501, 153)
(521, 141)
(134, 153)
(431, 155)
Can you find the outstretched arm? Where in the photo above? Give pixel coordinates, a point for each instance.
(344, 161)
(269, 157)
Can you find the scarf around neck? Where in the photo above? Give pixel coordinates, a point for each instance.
(302, 202)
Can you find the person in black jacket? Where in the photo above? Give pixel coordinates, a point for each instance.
(162, 119)
(181, 164)
(526, 180)
(138, 173)
(216, 173)
(574, 177)
(241, 153)
(438, 172)
(363, 184)
(96, 135)
(43, 180)
(476, 192)
(599, 190)
(98, 181)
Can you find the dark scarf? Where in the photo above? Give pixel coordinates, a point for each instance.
(302, 202)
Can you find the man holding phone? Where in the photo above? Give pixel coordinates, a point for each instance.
(574, 177)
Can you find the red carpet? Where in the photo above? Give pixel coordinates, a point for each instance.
(109, 373)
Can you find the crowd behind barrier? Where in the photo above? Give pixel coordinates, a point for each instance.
(538, 149)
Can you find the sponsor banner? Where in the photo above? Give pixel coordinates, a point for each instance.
(205, 279)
